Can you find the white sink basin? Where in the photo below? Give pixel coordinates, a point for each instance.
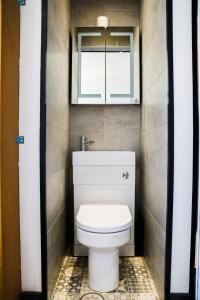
(102, 158)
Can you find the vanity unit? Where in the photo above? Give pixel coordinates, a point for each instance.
(104, 178)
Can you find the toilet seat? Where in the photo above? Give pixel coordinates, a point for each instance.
(104, 218)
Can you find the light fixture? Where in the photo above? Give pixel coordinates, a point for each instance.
(102, 21)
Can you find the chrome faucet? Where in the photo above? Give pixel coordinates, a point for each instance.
(84, 143)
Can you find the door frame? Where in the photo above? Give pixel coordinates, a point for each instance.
(195, 176)
(44, 253)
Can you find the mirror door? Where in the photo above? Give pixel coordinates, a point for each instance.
(119, 67)
(91, 67)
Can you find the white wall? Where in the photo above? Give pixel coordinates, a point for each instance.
(29, 125)
(183, 115)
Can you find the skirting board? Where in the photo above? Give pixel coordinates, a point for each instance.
(181, 297)
(31, 296)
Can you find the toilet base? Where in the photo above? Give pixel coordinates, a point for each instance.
(103, 269)
(126, 250)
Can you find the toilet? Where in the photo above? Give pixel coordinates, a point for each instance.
(104, 209)
(103, 229)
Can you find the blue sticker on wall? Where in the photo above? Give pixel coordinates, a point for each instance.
(21, 2)
(20, 139)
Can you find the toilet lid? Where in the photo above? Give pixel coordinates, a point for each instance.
(104, 218)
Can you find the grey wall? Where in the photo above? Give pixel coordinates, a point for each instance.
(154, 135)
(112, 127)
(57, 130)
(119, 12)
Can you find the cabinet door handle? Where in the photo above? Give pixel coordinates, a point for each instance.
(125, 175)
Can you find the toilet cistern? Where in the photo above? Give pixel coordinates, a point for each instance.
(85, 143)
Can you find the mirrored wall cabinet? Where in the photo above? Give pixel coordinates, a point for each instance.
(105, 66)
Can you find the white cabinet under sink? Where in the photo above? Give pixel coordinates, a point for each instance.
(104, 177)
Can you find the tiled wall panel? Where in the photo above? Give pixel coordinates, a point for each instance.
(154, 129)
(57, 131)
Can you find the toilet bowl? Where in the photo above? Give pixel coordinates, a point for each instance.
(103, 229)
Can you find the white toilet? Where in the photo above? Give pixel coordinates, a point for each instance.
(103, 229)
(104, 209)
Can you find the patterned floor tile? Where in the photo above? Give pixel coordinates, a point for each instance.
(135, 281)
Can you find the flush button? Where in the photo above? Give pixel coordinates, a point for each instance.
(125, 175)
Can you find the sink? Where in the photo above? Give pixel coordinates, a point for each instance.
(100, 158)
